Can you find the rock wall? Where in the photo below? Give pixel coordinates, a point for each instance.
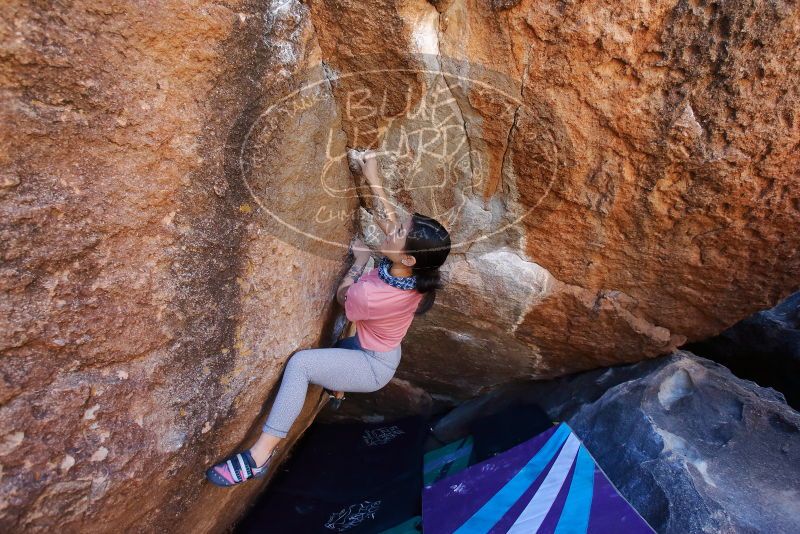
(618, 181)
(656, 147)
(176, 205)
(148, 306)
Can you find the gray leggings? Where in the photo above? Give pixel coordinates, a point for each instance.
(345, 367)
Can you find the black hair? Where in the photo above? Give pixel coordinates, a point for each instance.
(429, 243)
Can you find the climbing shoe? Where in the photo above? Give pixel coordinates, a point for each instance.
(237, 468)
(334, 400)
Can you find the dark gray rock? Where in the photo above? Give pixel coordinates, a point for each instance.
(764, 348)
(692, 447)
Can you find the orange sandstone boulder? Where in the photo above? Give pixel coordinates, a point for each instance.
(176, 206)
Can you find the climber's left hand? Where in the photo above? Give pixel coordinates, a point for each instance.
(369, 167)
(360, 251)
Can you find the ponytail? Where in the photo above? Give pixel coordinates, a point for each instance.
(429, 243)
(428, 281)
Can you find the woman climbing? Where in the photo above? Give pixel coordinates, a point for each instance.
(381, 303)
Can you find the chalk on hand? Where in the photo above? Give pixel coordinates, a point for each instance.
(353, 157)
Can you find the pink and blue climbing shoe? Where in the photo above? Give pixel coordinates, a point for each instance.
(236, 469)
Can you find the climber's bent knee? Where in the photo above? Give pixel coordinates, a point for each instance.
(298, 363)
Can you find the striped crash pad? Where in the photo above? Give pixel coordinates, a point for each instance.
(548, 484)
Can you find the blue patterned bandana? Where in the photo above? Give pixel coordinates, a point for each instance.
(400, 282)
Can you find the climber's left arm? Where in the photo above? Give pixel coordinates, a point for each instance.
(385, 216)
(361, 253)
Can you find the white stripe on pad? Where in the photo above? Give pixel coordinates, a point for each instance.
(533, 515)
